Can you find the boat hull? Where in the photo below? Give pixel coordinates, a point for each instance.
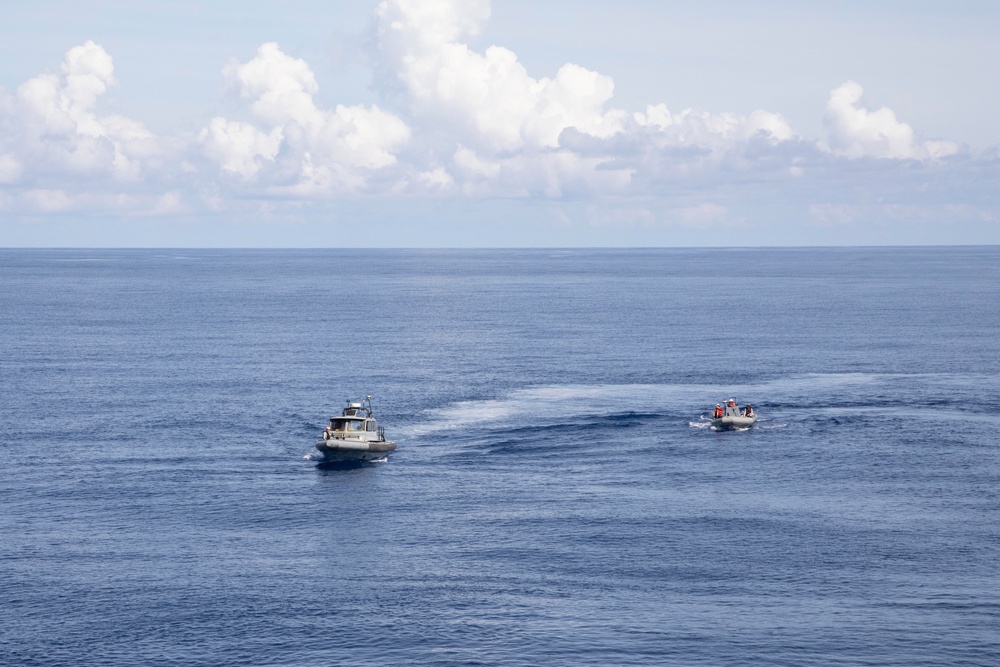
(354, 450)
(733, 422)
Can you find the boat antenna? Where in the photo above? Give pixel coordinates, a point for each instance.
(369, 399)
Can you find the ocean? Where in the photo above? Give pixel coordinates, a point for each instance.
(557, 496)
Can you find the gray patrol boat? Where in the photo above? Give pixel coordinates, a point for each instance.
(354, 436)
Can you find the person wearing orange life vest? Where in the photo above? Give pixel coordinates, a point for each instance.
(718, 411)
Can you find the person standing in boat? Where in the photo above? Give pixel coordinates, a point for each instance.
(748, 411)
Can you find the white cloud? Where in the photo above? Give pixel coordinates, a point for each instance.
(857, 132)
(512, 134)
(698, 128)
(403, 23)
(56, 128)
(239, 147)
(487, 101)
(307, 151)
(279, 87)
(436, 179)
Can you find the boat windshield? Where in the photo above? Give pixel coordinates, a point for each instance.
(348, 424)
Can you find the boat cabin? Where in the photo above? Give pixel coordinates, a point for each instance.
(356, 422)
(351, 424)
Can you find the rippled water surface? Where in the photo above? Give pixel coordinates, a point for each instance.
(557, 496)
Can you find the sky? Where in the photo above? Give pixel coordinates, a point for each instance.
(512, 123)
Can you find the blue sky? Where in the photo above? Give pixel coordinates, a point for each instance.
(439, 123)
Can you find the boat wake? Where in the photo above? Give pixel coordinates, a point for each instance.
(545, 406)
(767, 426)
(595, 407)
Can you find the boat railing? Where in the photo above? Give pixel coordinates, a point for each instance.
(381, 433)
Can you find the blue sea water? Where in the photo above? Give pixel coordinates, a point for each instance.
(556, 497)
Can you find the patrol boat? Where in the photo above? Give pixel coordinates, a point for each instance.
(354, 436)
(732, 417)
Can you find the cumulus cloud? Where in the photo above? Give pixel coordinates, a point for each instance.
(56, 129)
(857, 132)
(238, 147)
(513, 134)
(303, 149)
(486, 102)
(491, 103)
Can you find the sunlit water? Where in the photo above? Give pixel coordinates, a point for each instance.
(557, 496)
